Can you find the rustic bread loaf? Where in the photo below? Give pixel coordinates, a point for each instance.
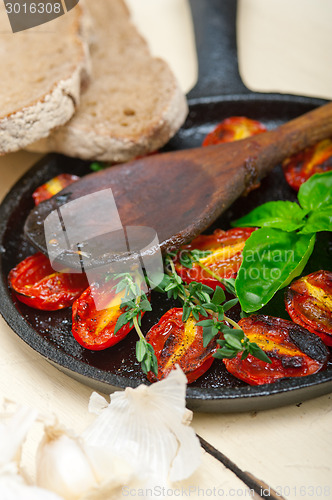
(41, 73)
(133, 104)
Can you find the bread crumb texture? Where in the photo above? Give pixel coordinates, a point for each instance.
(42, 70)
(133, 104)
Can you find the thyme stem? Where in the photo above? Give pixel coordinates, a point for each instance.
(138, 329)
(137, 302)
(207, 270)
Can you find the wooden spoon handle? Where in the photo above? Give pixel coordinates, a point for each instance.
(296, 135)
(235, 167)
(252, 158)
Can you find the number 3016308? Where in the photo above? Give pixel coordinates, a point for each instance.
(323, 491)
(33, 8)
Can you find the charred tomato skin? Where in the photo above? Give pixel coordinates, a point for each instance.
(293, 350)
(313, 160)
(36, 284)
(94, 328)
(53, 187)
(233, 129)
(230, 242)
(309, 303)
(174, 345)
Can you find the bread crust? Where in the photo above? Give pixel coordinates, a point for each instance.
(57, 101)
(140, 111)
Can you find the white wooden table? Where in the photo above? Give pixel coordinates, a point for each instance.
(283, 46)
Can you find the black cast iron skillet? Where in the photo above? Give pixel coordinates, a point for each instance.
(219, 93)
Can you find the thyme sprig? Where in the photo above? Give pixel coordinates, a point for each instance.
(197, 300)
(134, 304)
(201, 299)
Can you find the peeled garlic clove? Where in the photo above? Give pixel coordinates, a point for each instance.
(113, 474)
(68, 466)
(107, 467)
(145, 426)
(62, 465)
(13, 431)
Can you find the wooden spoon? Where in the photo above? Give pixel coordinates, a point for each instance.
(179, 194)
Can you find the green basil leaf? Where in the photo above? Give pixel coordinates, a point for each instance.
(316, 192)
(319, 220)
(271, 259)
(284, 215)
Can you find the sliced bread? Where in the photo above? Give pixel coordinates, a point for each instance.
(133, 104)
(41, 69)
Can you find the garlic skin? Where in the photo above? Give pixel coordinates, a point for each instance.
(67, 466)
(13, 431)
(148, 427)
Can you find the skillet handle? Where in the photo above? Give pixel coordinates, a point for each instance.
(215, 30)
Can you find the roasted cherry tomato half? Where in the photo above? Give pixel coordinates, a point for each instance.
(225, 258)
(178, 343)
(53, 187)
(309, 303)
(294, 351)
(233, 129)
(37, 284)
(95, 314)
(314, 160)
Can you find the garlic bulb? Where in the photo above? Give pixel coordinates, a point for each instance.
(148, 427)
(13, 430)
(13, 487)
(70, 468)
